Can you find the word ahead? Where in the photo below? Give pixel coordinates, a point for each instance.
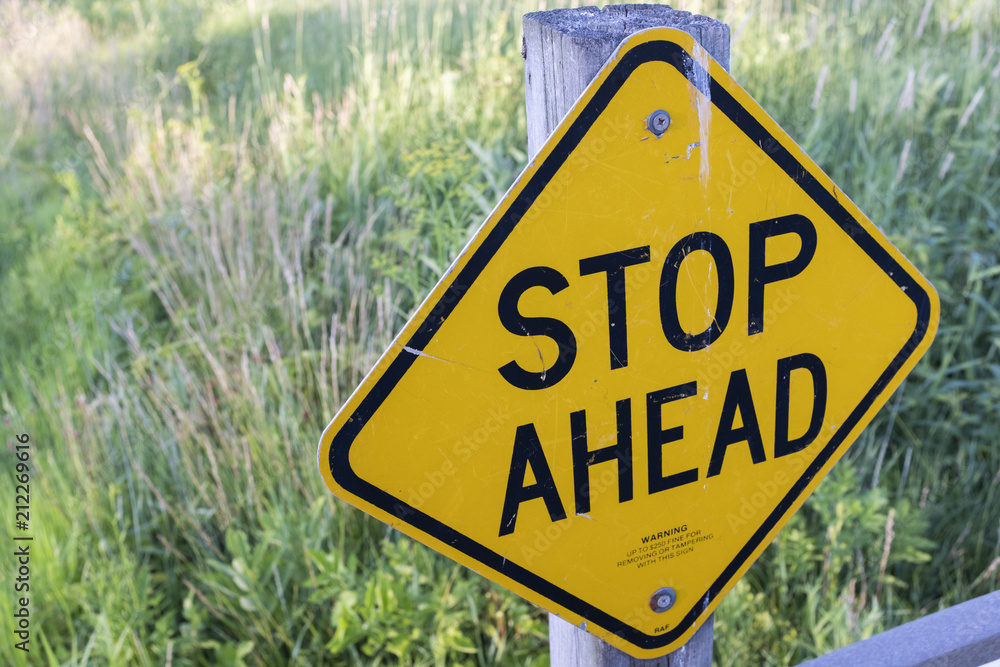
(528, 450)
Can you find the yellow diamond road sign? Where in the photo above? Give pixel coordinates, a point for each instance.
(644, 361)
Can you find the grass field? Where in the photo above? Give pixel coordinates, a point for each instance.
(215, 215)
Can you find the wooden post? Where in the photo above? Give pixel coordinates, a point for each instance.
(569, 646)
(563, 50)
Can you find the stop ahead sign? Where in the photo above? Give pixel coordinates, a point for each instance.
(642, 364)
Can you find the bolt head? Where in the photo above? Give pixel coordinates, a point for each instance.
(658, 122)
(662, 600)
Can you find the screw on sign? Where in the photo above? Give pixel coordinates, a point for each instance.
(681, 354)
(662, 600)
(659, 121)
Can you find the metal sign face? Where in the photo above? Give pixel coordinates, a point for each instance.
(650, 354)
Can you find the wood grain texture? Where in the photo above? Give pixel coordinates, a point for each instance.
(564, 49)
(569, 646)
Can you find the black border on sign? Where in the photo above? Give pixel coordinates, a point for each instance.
(674, 55)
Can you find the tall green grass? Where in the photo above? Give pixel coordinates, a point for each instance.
(216, 215)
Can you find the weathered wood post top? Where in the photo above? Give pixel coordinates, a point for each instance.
(565, 48)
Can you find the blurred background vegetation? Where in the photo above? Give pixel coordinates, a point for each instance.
(214, 215)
